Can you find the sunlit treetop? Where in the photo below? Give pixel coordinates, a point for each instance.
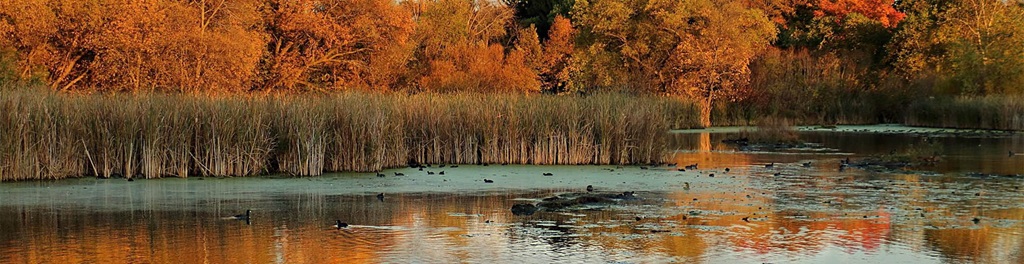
(880, 10)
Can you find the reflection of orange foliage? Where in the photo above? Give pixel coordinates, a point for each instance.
(868, 233)
(962, 244)
(176, 237)
(704, 156)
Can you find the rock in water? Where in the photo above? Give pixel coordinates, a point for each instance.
(524, 209)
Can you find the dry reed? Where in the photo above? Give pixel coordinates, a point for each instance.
(51, 136)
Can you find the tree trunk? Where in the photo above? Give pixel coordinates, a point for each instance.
(705, 111)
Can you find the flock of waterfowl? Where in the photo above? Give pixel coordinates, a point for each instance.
(338, 224)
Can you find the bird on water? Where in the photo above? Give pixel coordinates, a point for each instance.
(245, 216)
(339, 225)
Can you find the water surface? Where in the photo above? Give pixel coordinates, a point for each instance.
(967, 208)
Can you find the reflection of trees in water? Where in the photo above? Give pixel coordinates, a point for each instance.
(987, 243)
(556, 233)
(451, 227)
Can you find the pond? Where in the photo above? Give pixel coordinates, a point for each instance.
(967, 207)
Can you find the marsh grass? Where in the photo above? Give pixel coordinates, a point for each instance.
(991, 112)
(51, 136)
(772, 130)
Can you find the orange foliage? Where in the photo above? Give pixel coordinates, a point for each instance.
(557, 51)
(201, 46)
(460, 47)
(880, 10)
(330, 44)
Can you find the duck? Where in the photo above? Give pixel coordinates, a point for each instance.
(339, 224)
(687, 186)
(399, 174)
(590, 188)
(746, 219)
(380, 197)
(380, 175)
(549, 174)
(712, 175)
(770, 165)
(643, 167)
(454, 166)
(441, 166)
(440, 173)
(726, 169)
(246, 216)
(807, 164)
(488, 181)
(430, 173)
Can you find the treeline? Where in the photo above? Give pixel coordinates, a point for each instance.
(838, 61)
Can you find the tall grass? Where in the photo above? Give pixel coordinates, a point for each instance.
(50, 136)
(991, 112)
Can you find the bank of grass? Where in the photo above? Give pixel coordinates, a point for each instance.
(772, 130)
(52, 136)
(991, 112)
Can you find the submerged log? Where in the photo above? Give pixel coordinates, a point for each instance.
(572, 200)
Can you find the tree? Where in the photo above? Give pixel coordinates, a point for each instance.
(878, 10)
(972, 47)
(460, 48)
(540, 13)
(557, 55)
(59, 37)
(316, 45)
(698, 48)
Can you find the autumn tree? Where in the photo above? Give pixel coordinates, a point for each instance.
(541, 14)
(971, 47)
(187, 45)
(131, 45)
(460, 48)
(55, 38)
(696, 48)
(557, 55)
(316, 45)
(882, 11)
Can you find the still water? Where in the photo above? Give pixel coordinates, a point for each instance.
(968, 208)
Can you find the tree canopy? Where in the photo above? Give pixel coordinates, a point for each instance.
(703, 49)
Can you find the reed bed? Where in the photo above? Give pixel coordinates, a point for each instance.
(51, 136)
(991, 112)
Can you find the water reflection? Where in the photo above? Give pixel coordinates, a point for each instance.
(809, 215)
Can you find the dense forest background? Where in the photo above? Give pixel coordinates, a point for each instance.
(781, 57)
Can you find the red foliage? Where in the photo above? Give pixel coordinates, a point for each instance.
(880, 10)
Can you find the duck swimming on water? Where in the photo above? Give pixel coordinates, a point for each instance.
(339, 225)
(246, 216)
